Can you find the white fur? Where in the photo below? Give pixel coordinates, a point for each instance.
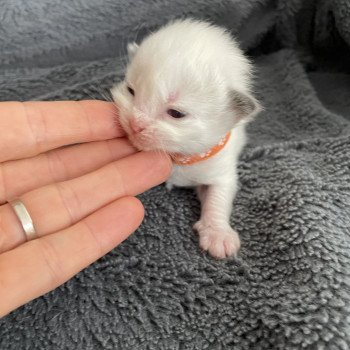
(196, 68)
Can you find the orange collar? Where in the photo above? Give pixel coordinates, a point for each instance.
(181, 159)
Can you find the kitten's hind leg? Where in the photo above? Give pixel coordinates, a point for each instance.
(201, 192)
(215, 233)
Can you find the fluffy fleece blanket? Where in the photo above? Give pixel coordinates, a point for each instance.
(290, 286)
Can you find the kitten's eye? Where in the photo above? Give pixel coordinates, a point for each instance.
(175, 114)
(132, 92)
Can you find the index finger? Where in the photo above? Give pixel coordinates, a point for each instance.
(30, 128)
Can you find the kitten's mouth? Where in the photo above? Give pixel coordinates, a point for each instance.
(143, 142)
(138, 140)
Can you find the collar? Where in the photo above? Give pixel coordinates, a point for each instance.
(181, 159)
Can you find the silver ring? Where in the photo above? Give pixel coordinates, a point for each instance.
(25, 219)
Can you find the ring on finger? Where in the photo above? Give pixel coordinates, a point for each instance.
(24, 218)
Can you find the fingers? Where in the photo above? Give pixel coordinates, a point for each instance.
(35, 127)
(39, 266)
(57, 206)
(21, 176)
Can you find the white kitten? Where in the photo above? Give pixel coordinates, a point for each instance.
(186, 87)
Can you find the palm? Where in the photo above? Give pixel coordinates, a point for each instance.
(77, 196)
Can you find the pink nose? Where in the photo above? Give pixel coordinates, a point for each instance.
(135, 126)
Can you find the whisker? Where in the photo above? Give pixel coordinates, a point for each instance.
(162, 148)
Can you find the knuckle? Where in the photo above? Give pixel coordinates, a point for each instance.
(70, 200)
(120, 180)
(51, 261)
(2, 232)
(95, 242)
(3, 191)
(36, 124)
(56, 166)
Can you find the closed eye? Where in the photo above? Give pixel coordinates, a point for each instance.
(175, 114)
(131, 91)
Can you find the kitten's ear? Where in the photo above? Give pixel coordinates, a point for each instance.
(132, 48)
(244, 105)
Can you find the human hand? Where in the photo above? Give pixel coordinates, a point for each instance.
(79, 197)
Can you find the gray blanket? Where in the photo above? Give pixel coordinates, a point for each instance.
(289, 288)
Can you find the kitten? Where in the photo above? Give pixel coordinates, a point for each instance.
(187, 86)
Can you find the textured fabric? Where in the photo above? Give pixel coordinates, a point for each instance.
(290, 286)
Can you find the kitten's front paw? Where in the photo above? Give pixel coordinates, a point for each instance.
(220, 242)
(169, 186)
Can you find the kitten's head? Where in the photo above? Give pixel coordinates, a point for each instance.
(177, 95)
